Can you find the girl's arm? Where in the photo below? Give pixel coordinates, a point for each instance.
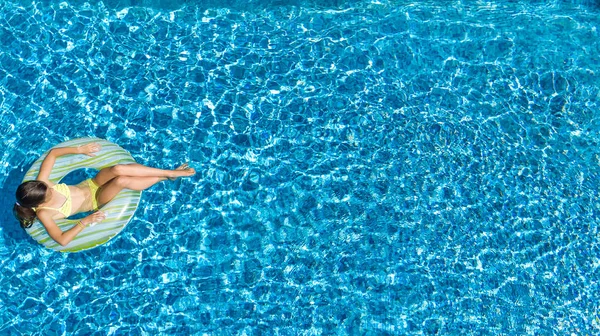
(65, 237)
(50, 159)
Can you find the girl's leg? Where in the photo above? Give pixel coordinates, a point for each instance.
(103, 176)
(110, 189)
(136, 169)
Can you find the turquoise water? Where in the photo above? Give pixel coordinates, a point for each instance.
(364, 167)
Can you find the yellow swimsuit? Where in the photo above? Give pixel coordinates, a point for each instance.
(64, 190)
(65, 209)
(94, 190)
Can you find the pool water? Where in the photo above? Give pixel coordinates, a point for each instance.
(364, 167)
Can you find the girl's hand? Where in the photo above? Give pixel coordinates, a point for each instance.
(89, 149)
(96, 217)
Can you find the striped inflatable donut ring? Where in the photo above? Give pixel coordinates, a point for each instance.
(118, 211)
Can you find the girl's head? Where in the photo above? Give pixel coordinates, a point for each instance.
(30, 194)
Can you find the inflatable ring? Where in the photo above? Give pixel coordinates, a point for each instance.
(118, 211)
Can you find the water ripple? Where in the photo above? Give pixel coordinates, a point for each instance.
(368, 168)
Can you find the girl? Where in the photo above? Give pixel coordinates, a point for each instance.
(48, 201)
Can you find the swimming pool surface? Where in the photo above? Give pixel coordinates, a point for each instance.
(364, 167)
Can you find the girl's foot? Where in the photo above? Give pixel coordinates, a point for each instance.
(181, 171)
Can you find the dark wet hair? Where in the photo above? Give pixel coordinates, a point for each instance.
(30, 194)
